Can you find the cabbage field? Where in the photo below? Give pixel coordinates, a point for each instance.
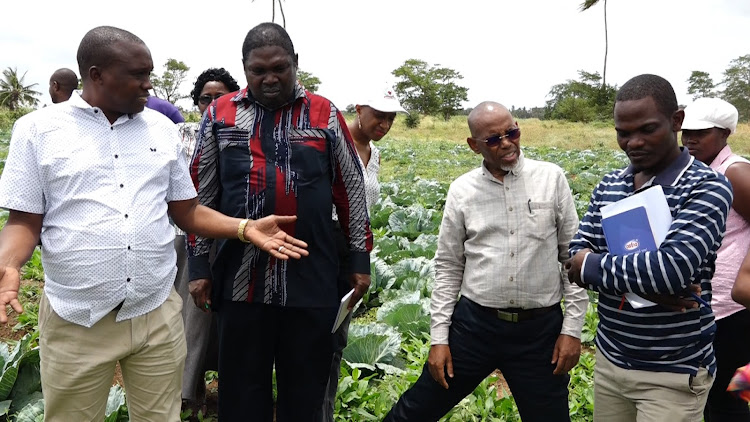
(389, 336)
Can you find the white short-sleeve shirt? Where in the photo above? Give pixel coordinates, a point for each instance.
(103, 190)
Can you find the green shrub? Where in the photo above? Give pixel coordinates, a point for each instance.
(412, 120)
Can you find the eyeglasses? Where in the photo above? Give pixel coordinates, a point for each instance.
(492, 141)
(206, 99)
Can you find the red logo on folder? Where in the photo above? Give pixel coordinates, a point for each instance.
(633, 244)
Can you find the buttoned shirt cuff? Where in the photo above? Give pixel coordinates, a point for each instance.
(199, 267)
(439, 334)
(590, 268)
(360, 262)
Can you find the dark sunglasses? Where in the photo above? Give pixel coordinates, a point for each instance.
(512, 135)
(206, 99)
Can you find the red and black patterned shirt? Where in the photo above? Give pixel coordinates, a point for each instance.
(300, 160)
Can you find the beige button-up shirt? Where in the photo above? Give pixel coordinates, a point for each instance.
(501, 244)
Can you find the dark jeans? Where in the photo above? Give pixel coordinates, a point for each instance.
(253, 338)
(732, 346)
(479, 343)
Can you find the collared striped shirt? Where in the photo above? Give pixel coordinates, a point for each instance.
(300, 160)
(654, 338)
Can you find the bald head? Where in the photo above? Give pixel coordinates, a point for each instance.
(65, 77)
(483, 114)
(61, 85)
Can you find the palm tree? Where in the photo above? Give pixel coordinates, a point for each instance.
(586, 5)
(13, 92)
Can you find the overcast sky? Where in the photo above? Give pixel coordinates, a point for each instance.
(507, 51)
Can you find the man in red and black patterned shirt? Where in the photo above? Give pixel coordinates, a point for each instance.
(273, 148)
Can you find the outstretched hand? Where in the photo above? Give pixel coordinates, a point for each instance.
(10, 281)
(266, 234)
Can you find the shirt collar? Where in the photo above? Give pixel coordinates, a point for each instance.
(515, 171)
(725, 153)
(671, 174)
(244, 95)
(77, 101)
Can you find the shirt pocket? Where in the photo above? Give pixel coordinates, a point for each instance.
(235, 160)
(309, 155)
(541, 219)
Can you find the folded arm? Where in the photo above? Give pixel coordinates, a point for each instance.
(697, 229)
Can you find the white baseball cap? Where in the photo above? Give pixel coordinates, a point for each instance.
(706, 113)
(385, 101)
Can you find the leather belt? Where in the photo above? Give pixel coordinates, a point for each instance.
(119, 306)
(519, 315)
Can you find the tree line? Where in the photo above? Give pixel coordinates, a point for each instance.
(734, 86)
(432, 89)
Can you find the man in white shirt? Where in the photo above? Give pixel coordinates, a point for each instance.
(62, 83)
(95, 177)
(505, 232)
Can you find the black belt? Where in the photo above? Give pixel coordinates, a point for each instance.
(119, 306)
(518, 314)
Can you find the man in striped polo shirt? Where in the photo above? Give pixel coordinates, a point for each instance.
(654, 363)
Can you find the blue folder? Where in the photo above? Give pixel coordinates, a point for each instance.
(629, 232)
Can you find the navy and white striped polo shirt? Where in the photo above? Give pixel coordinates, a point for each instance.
(654, 338)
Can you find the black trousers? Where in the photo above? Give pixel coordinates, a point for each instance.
(255, 337)
(732, 346)
(479, 343)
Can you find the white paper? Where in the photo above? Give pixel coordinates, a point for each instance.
(657, 209)
(638, 302)
(659, 217)
(343, 311)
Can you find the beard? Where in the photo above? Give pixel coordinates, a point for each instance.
(511, 167)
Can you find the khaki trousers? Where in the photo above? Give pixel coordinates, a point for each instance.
(628, 395)
(78, 364)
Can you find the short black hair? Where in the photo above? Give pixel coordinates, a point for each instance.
(213, 74)
(66, 79)
(98, 48)
(653, 86)
(267, 34)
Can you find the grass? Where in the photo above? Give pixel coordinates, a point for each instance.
(549, 133)
(437, 149)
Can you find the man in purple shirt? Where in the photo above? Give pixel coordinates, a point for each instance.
(166, 108)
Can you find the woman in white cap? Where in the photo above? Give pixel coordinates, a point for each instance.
(707, 125)
(373, 121)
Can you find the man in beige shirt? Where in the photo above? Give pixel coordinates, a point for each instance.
(505, 231)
